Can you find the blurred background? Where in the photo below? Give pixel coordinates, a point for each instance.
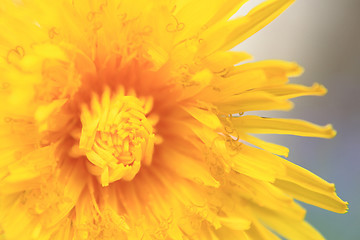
(324, 37)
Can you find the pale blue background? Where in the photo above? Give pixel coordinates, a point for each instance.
(324, 37)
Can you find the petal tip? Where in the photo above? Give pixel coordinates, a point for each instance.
(331, 131)
(296, 70)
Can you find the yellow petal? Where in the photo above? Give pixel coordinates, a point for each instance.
(289, 228)
(295, 90)
(271, 147)
(228, 35)
(227, 9)
(220, 61)
(187, 167)
(255, 124)
(329, 201)
(252, 101)
(307, 187)
(235, 223)
(258, 231)
(158, 56)
(266, 195)
(256, 163)
(23, 176)
(275, 70)
(15, 219)
(196, 83)
(204, 116)
(71, 192)
(224, 233)
(237, 84)
(193, 17)
(44, 111)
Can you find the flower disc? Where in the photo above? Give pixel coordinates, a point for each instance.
(116, 136)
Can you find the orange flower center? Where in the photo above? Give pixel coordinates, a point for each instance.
(117, 137)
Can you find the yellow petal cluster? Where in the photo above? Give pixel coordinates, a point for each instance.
(131, 119)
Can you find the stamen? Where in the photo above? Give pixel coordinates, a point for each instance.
(15, 54)
(53, 32)
(175, 27)
(117, 136)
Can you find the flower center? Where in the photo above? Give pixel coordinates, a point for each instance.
(117, 137)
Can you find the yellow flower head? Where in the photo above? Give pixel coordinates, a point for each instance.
(131, 119)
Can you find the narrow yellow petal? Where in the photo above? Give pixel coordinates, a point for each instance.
(258, 231)
(275, 69)
(204, 116)
(191, 17)
(45, 111)
(295, 90)
(195, 84)
(267, 76)
(226, 10)
(237, 84)
(23, 176)
(175, 233)
(266, 195)
(256, 163)
(255, 124)
(71, 192)
(158, 55)
(271, 147)
(66, 232)
(182, 189)
(189, 168)
(15, 219)
(252, 101)
(289, 228)
(224, 233)
(226, 36)
(235, 223)
(220, 61)
(307, 187)
(329, 201)
(305, 178)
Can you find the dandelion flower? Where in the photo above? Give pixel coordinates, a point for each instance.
(131, 119)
